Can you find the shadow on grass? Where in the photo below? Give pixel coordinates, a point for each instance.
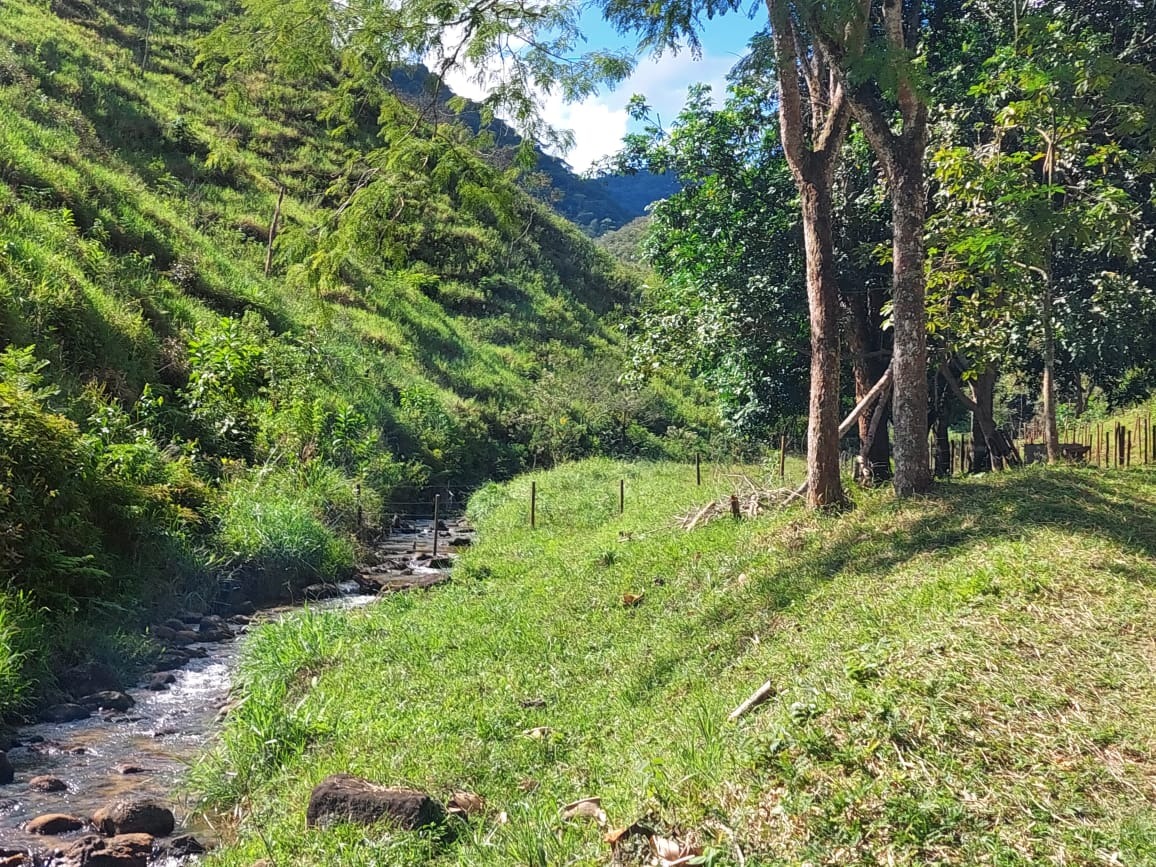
(1118, 507)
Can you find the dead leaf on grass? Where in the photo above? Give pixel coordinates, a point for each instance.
(467, 804)
(629, 600)
(586, 808)
(671, 853)
(528, 785)
(617, 835)
(539, 732)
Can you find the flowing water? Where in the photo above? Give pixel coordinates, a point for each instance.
(145, 751)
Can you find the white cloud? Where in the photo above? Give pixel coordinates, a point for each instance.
(600, 122)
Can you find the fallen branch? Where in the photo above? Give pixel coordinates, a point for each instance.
(756, 698)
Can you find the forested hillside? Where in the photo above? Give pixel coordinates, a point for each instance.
(181, 401)
(597, 204)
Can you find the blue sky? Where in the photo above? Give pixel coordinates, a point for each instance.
(599, 122)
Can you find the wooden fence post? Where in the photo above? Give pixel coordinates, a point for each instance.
(621, 496)
(698, 468)
(437, 501)
(782, 456)
(533, 505)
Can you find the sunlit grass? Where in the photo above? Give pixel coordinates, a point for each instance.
(965, 678)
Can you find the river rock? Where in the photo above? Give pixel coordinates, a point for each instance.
(185, 636)
(108, 700)
(345, 798)
(7, 773)
(213, 628)
(124, 850)
(460, 542)
(54, 823)
(321, 591)
(88, 678)
(47, 784)
(175, 624)
(126, 769)
(161, 680)
(163, 633)
(134, 816)
(62, 713)
(178, 848)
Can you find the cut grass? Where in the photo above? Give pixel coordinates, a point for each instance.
(965, 678)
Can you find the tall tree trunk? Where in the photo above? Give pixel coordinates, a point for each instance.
(901, 154)
(909, 359)
(811, 143)
(825, 489)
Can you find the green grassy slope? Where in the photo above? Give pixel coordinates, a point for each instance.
(168, 411)
(965, 678)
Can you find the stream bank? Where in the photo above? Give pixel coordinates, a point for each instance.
(142, 748)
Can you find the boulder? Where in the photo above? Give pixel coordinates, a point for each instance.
(62, 713)
(124, 850)
(163, 633)
(88, 678)
(186, 636)
(54, 823)
(345, 798)
(108, 700)
(134, 816)
(175, 624)
(161, 681)
(173, 658)
(47, 784)
(315, 592)
(7, 773)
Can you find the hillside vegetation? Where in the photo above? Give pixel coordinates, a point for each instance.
(965, 678)
(170, 415)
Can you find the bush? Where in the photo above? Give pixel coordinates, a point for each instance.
(275, 522)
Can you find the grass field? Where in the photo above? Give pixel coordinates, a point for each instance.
(966, 678)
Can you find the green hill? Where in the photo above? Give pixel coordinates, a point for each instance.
(170, 414)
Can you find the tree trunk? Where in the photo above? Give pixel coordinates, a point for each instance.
(869, 359)
(825, 489)
(942, 434)
(909, 360)
(1051, 427)
(990, 449)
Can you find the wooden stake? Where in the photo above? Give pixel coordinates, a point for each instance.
(273, 230)
(533, 505)
(621, 496)
(437, 501)
(782, 456)
(754, 700)
(698, 469)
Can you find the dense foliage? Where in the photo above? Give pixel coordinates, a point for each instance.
(174, 410)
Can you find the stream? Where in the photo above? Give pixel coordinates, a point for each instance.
(145, 751)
